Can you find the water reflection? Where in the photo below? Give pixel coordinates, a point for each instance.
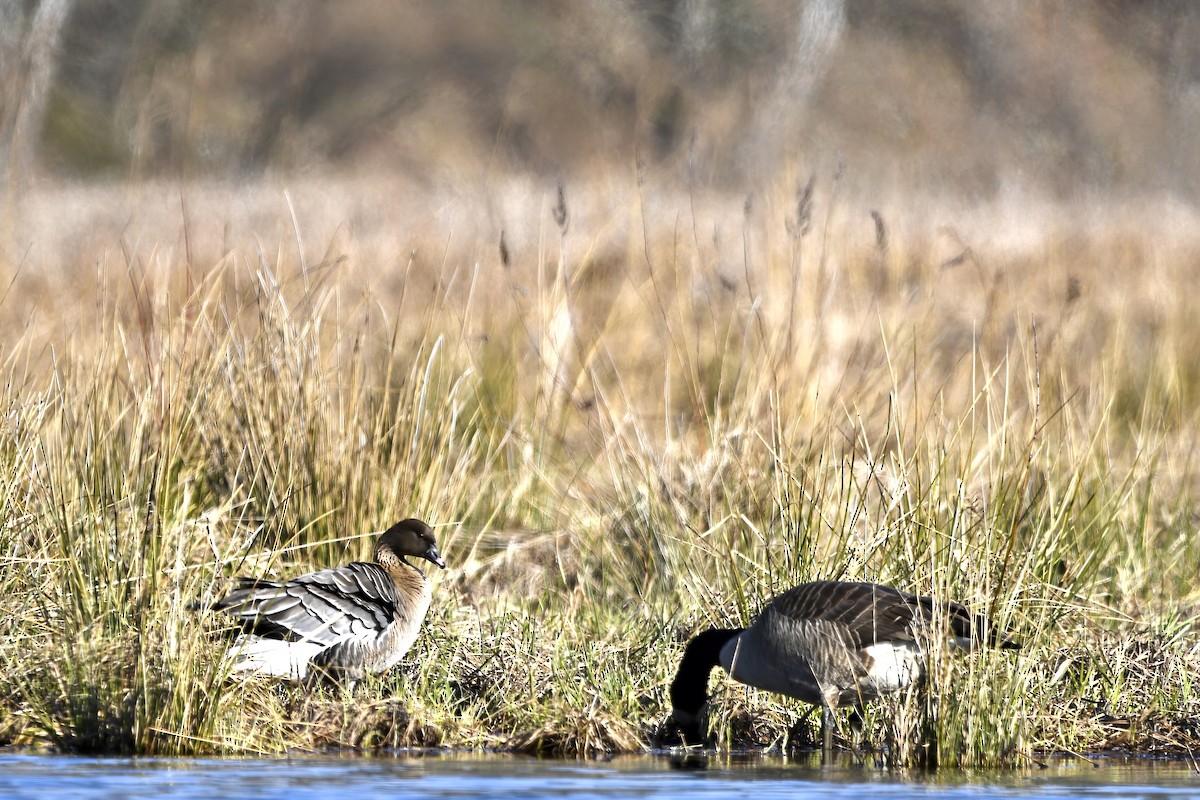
(477, 776)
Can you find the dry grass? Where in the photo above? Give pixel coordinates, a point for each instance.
(642, 418)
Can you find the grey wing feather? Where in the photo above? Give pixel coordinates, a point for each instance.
(325, 607)
(873, 613)
(867, 612)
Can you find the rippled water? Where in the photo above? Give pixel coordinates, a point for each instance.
(471, 776)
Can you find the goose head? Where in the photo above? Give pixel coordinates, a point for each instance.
(410, 537)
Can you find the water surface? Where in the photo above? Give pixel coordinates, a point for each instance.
(481, 776)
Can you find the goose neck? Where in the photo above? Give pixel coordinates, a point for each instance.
(689, 690)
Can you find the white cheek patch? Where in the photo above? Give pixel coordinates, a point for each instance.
(892, 667)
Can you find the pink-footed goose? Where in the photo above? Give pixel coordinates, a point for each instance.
(341, 622)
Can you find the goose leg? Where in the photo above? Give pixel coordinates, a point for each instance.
(857, 721)
(862, 743)
(826, 733)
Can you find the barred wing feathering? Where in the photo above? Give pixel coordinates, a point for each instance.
(870, 613)
(357, 600)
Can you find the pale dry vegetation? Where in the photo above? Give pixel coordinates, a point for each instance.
(632, 412)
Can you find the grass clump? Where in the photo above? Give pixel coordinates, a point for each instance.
(617, 450)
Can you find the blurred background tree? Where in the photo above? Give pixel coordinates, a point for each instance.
(1096, 94)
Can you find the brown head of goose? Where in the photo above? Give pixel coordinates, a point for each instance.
(829, 643)
(346, 621)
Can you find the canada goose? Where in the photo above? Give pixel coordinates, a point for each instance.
(346, 621)
(829, 643)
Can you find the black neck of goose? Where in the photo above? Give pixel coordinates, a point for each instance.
(689, 690)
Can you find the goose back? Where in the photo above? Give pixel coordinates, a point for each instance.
(869, 613)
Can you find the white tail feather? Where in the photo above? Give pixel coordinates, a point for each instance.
(275, 657)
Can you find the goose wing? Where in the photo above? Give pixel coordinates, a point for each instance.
(326, 607)
(864, 613)
(870, 613)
